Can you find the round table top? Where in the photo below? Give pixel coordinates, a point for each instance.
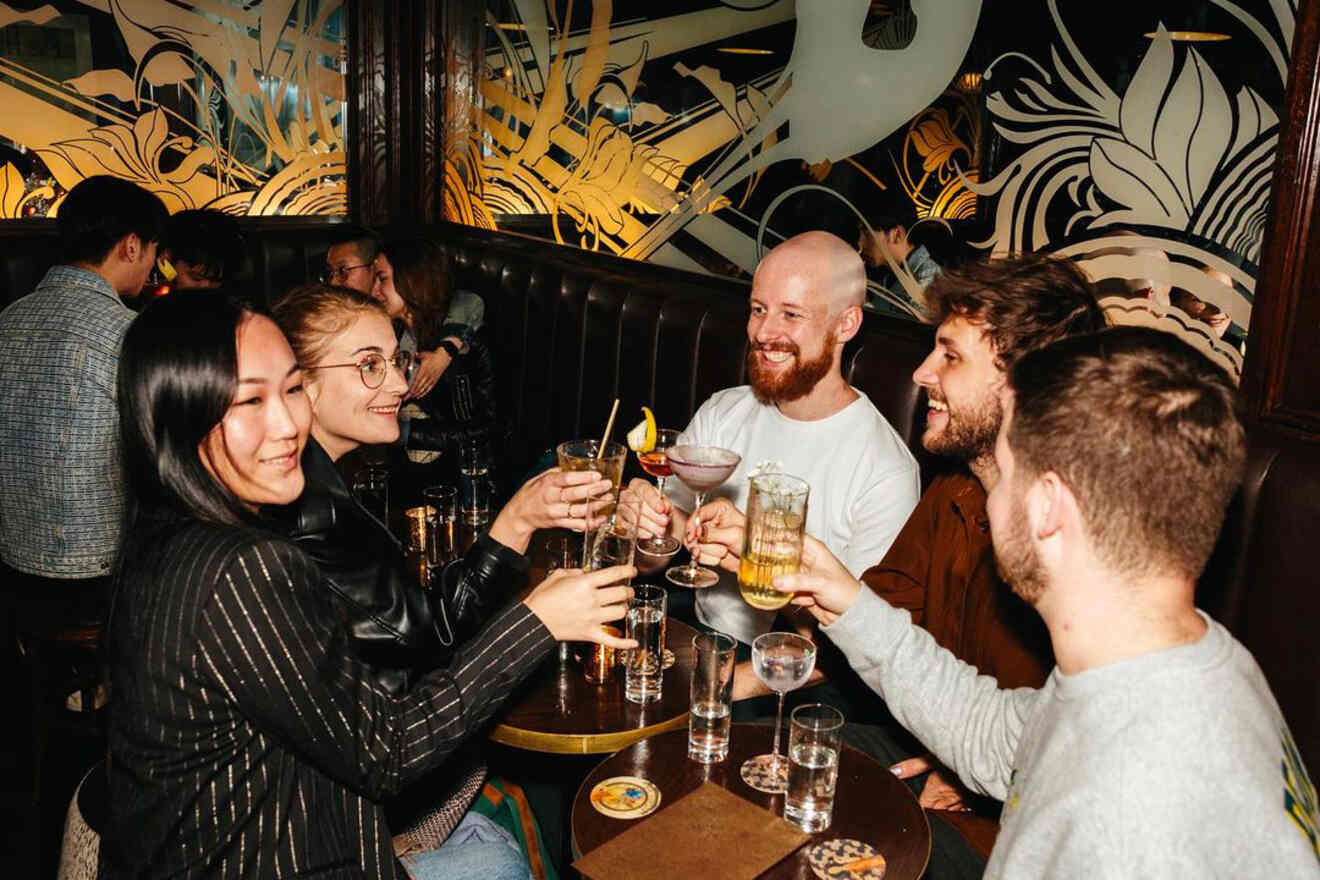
(558, 710)
(870, 803)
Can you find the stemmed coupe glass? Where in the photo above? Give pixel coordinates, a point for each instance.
(783, 662)
(701, 468)
(656, 463)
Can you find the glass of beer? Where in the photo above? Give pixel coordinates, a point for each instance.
(580, 455)
(772, 539)
(814, 736)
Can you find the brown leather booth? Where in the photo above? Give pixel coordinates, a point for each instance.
(572, 330)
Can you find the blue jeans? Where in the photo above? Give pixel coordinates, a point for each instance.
(478, 849)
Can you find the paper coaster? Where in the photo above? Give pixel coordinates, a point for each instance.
(842, 851)
(625, 797)
(765, 776)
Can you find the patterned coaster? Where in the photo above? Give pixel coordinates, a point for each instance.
(828, 860)
(763, 775)
(625, 797)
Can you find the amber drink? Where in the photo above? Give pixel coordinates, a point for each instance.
(772, 539)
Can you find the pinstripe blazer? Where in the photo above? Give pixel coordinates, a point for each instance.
(245, 739)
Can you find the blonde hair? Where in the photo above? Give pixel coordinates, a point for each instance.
(311, 315)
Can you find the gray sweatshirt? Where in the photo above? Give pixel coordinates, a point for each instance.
(1177, 763)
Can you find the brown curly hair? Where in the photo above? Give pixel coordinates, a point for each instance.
(1023, 301)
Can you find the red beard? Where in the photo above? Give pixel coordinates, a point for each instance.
(794, 383)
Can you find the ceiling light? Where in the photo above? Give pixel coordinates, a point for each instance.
(1191, 36)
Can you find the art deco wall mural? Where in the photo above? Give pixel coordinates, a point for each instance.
(207, 103)
(702, 135)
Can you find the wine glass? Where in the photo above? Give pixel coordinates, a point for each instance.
(656, 463)
(783, 661)
(701, 468)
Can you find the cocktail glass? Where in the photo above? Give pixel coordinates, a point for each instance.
(783, 662)
(701, 468)
(656, 463)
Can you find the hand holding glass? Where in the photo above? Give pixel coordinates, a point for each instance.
(772, 538)
(701, 468)
(656, 463)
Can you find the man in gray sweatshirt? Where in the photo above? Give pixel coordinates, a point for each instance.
(1155, 748)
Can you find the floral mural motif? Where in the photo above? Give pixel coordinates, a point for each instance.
(568, 128)
(1167, 183)
(238, 107)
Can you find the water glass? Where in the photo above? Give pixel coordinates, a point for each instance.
(814, 736)
(560, 553)
(474, 474)
(712, 697)
(371, 488)
(442, 515)
(643, 669)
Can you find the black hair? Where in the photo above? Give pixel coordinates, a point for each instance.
(209, 239)
(177, 373)
(102, 210)
(366, 242)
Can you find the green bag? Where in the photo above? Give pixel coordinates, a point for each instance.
(506, 805)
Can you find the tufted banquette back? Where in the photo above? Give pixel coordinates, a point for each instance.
(572, 330)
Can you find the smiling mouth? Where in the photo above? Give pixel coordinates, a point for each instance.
(385, 410)
(287, 461)
(776, 357)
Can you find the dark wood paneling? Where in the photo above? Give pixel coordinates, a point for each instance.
(1281, 383)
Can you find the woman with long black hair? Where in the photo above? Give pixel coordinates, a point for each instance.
(246, 739)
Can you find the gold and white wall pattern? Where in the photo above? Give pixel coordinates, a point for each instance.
(698, 133)
(685, 136)
(207, 103)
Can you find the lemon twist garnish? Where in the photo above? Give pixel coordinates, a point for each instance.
(642, 437)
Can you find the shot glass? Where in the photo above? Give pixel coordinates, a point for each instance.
(372, 490)
(815, 732)
(643, 668)
(421, 525)
(712, 697)
(599, 661)
(442, 506)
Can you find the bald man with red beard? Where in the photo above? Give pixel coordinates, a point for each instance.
(799, 416)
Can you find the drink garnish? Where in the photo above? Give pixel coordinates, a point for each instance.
(642, 437)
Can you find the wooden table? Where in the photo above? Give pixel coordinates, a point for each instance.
(558, 710)
(870, 803)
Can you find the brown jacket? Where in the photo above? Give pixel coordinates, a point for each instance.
(941, 568)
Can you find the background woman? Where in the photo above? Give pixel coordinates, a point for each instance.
(245, 740)
(455, 380)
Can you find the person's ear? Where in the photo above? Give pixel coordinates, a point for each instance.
(1049, 504)
(849, 322)
(130, 248)
(312, 388)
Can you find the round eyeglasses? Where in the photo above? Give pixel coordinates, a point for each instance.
(336, 274)
(373, 367)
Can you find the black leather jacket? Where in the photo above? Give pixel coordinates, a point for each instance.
(396, 627)
(462, 405)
